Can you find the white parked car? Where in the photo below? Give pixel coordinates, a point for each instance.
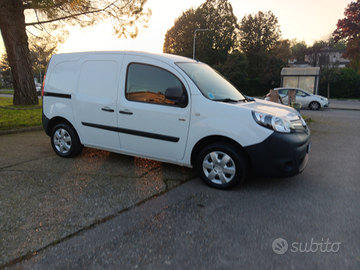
(172, 109)
(313, 102)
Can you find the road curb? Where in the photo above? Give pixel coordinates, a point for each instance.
(20, 130)
(345, 109)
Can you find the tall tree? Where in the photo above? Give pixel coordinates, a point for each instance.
(318, 54)
(126, 16)
(272, 73)
(329, 74)
(234, 69)
(298, 50)
(281, 50)
(348, 29)
(178, 39)
(211, 47)
(259, 33)
(279, 55)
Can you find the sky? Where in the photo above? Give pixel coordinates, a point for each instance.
(307, 20)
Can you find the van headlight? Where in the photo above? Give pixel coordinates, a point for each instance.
(273, 122)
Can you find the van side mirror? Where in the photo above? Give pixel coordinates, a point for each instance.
(249, 98)
(177, 95)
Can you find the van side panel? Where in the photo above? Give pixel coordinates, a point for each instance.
(94, 100)
(59, 85)
(62, 78)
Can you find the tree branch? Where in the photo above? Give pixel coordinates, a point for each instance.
(74, 15)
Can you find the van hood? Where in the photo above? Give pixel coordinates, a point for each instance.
(273, 109)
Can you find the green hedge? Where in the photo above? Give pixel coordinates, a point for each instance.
(346, 86)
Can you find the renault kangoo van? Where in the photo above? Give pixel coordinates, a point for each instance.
(171, 109)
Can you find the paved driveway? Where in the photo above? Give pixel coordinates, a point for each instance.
(45, 198)
(310, 221)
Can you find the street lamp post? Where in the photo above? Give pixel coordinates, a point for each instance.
(195, 38)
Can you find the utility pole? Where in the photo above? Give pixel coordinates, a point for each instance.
(195, 38)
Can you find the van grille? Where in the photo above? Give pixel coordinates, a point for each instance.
(298, 125)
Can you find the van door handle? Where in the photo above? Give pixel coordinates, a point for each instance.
(126, 112)
(107, 109)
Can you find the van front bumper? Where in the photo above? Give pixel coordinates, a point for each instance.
(280, 155)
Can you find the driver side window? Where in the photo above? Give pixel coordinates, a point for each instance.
(150, 84)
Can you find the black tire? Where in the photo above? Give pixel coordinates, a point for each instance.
(222, 166)
(314, 105)
(65, 141)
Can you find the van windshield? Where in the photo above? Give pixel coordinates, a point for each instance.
(211, 83)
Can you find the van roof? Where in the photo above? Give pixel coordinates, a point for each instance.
(160, 56)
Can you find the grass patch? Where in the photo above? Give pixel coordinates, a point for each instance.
(26, 116)
(307, 119)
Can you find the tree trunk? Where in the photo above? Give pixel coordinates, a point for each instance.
(328, 90)
(12, 25)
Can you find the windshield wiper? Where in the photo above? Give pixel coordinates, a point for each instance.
(228, 100)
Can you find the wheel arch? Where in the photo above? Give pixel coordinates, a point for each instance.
(212, 139)
(57, 120)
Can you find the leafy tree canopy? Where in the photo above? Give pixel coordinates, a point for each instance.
(126, 17)
(259, 34)
(234, 69)
(281, 50)
(178, 39)
(298, 50)
(348, 30)
(211, 47)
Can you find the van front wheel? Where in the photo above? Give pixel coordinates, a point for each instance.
(65, 141)
(221, 165)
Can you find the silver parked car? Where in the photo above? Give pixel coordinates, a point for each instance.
(313, 102)
(38, 88)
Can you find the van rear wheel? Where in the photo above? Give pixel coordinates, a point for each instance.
(65, 141)
(221, 165)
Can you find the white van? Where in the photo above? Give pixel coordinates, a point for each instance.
(171, 109)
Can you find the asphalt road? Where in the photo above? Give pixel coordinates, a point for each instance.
(310, 221)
